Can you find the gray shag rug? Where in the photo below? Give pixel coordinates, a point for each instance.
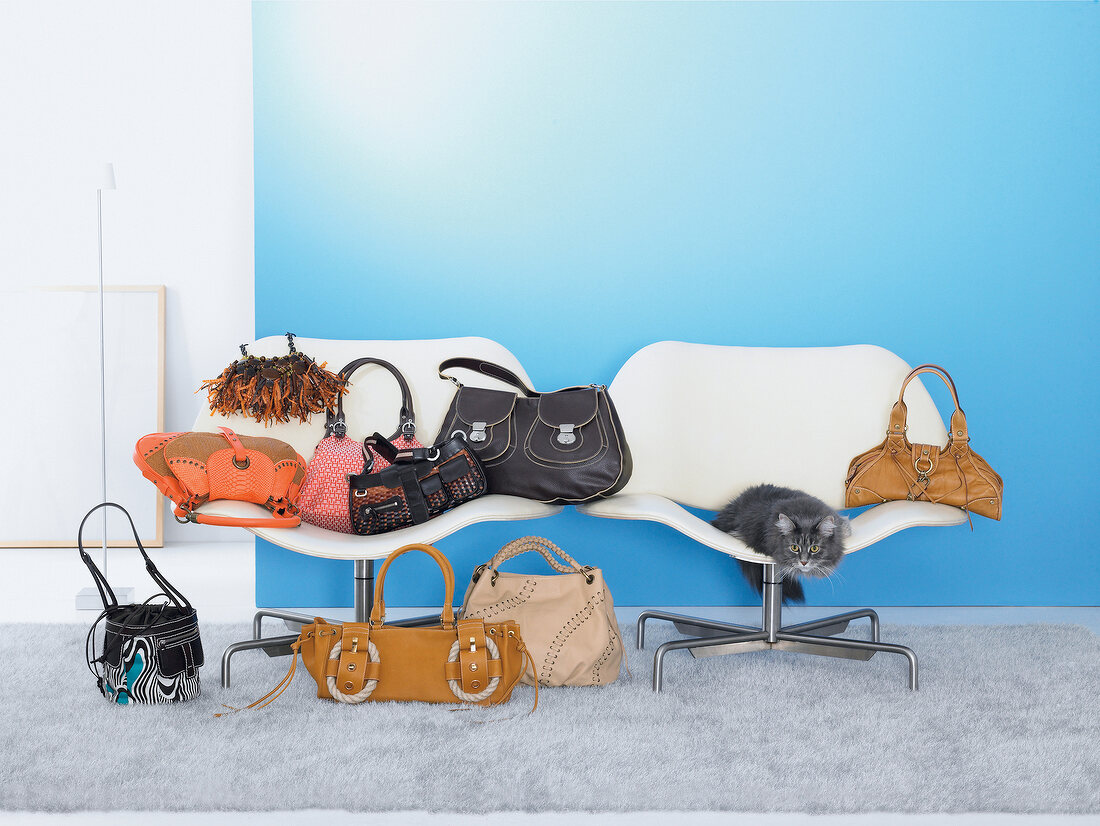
(1006, 720)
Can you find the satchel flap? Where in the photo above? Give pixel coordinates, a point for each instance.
(478, 404)
(568, 407)
(454, 468)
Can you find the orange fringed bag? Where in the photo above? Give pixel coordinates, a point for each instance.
(193, 468)
(274, 389)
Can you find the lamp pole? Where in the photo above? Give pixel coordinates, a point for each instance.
(107, 182)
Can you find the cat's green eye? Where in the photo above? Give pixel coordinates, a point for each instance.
(814, 549)
(794, 549)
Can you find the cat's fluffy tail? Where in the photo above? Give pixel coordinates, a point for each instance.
(792, 588)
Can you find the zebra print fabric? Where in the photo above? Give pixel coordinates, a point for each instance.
(153, 669)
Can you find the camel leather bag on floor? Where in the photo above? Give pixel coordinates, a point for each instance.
(463, 661)
(950, 475)
(568, 619)
(194, 468)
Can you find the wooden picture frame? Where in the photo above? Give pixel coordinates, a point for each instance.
(54, 422)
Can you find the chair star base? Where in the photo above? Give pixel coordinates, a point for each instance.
(712, 638)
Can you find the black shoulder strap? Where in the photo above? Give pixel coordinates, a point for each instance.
(101, 581)
(407, 427)
(486, 368)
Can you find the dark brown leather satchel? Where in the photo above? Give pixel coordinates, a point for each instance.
(951, 475)
(418, 484)
(564, 447)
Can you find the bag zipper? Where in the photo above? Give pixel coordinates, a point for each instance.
(178, 639)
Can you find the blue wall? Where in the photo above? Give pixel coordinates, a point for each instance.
(578, 180)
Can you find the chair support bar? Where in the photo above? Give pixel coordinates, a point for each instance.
(715, 638)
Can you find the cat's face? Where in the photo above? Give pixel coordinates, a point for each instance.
(809, 548)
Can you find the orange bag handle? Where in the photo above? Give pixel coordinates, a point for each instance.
(447, 617)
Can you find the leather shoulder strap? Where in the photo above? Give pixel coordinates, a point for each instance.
(447, 616)
(101, 581)
(486, 368)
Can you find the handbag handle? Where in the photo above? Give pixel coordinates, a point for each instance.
(544, 547)
(101, 583)
(447, 615)
(958, 431)
(486, 368)
(335, 424)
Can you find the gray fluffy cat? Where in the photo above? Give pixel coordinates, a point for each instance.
(800, 532)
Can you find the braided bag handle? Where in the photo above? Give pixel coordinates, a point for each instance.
(544, 547)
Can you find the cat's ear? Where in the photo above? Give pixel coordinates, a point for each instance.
(831, 524)
(784, 524)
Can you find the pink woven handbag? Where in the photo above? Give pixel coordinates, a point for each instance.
(324, 497)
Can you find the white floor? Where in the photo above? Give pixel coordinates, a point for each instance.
(39, 585)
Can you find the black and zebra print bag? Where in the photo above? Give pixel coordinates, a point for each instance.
(151, 651)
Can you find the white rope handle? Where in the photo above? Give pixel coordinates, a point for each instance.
(456, 686)
(368, 686)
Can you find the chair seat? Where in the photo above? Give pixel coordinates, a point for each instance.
(314, 541)
(868, 528)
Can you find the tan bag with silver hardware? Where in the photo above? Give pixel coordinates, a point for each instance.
(568, 618)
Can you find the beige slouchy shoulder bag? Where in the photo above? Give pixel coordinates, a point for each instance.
(567, 619)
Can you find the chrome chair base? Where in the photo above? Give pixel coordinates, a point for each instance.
(712, 638)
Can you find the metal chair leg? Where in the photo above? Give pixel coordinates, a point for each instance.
(827, 626)
(247, 645)
(734, 643)
(697, 626)
(714, 638)
(839, 647)
(286, 616)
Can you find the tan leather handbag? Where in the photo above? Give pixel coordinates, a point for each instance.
(463, 661)
(949, 475)
(568, 619)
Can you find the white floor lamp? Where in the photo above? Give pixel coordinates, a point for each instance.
(89, 597)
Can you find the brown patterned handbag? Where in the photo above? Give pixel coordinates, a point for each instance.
(419, 483)
(949, 475)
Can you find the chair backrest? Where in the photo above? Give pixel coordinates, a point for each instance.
(704, 422)
(373, 400)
